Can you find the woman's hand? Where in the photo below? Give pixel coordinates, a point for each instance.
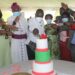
(2, 32)
(54, 26)
(2, 23)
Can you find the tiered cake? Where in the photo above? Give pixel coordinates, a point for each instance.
(43, 64)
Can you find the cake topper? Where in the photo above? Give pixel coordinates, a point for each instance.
(43, 36)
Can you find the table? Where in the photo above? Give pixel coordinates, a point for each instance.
(60, 66)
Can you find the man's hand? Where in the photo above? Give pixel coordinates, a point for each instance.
(14, 28)
(17, 18)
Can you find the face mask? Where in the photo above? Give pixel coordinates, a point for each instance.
(39, 19)
(64, 19)
(16, 14)
(49, 21)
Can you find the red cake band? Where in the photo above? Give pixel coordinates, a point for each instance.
(42, 62)
(49, 73)
(41, 50)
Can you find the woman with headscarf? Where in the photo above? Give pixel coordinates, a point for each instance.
(64, 8)
(64, 37)
(19, 27)
(51, 31)
(5, 58)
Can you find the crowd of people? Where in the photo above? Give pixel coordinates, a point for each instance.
(18, 36)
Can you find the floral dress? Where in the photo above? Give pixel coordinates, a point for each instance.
(52, 41)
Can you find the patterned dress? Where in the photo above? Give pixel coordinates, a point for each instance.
(64, 43)
(52, 41)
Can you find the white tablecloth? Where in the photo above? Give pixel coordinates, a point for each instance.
(61, 67)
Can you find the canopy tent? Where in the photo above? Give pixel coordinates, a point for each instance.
(4, 4)
(30, 6)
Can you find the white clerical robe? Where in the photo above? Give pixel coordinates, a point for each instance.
(35, 23)
(18, 46)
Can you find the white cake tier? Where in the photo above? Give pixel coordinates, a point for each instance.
(41, 44)
(42, 68)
